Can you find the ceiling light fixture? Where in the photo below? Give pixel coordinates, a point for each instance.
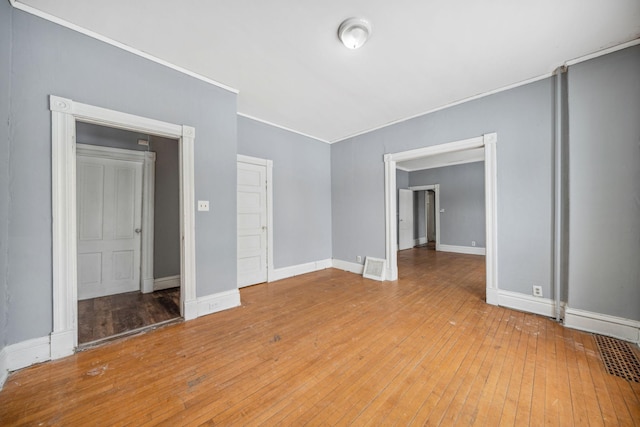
(354, 32)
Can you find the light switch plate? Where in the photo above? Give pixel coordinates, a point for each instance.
(203, 205)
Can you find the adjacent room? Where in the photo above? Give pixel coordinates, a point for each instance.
(330, 213)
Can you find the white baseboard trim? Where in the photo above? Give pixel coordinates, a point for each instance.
(190, 310)
(419, 241)
(603, 324)
(166, 282)
(4, 371)
(62, 344)
(528, 303)
(470, 250)
(218, 302)
(23, 354)
(296, 270)
(352, 267)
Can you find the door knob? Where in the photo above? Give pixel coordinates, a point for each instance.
(138, 230)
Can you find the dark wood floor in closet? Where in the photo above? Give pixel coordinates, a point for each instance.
(103, 317)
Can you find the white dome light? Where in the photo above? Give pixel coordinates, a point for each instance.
(354, 32)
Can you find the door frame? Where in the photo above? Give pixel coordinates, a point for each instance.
(399, 220)
(64, 114)
(488, 142)
(268, 164)
(436, 190)
(148, 160)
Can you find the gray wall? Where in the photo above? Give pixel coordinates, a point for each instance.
(5, 91)
(301, 190)
(604, 189)
(166, 242)
(523, 120)
(462, 198)
(49, 59)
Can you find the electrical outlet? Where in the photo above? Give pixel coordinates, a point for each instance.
(203, 205)
(537, 291)
(473, 243)
(359, 258)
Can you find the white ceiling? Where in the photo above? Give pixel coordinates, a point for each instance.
(285, 58)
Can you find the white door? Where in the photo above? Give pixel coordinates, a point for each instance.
(405, 219)
(109, 200)
(252, 224)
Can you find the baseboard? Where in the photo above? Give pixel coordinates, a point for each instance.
(420, 241)
(603, 324)
(296, 270)
(23, 354)
(218, 302)
(528, 303)
(470, 250)
(166, 282)
(4, 371)
(62, 344)
(352, 267)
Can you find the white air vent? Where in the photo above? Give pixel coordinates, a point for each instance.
(374, 268)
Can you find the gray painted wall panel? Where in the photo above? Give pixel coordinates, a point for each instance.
(48, 59)
(462, 198)
(604, 185)
(301, 190)
(5, 91)
(522, 119)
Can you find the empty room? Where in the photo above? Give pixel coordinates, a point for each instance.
(320, 213)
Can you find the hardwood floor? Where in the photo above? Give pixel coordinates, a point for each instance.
(103, 317)
(331, 348)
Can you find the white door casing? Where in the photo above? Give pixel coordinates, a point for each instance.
(64, 114)
(252, 224)
(488, 142)
(405, 219)
(109, 202)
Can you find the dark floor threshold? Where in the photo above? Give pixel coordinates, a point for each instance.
(126, 334)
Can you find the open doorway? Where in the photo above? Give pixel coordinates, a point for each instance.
(65, 113)
(449, 153)
(128, 231)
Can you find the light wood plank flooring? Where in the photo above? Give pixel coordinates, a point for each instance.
(103, 317)
(331, 348)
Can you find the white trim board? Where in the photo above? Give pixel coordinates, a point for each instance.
(23, 354)
(217, 302)
(64, 114)
(297, 270)
(167, 282)
(352, 267)
(528, 303)
(266, 122)
(603, 324)
(470, 250)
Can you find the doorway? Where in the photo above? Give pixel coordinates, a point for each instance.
(449, 153)
(65, 113)
(254, 220)
(128, 231)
